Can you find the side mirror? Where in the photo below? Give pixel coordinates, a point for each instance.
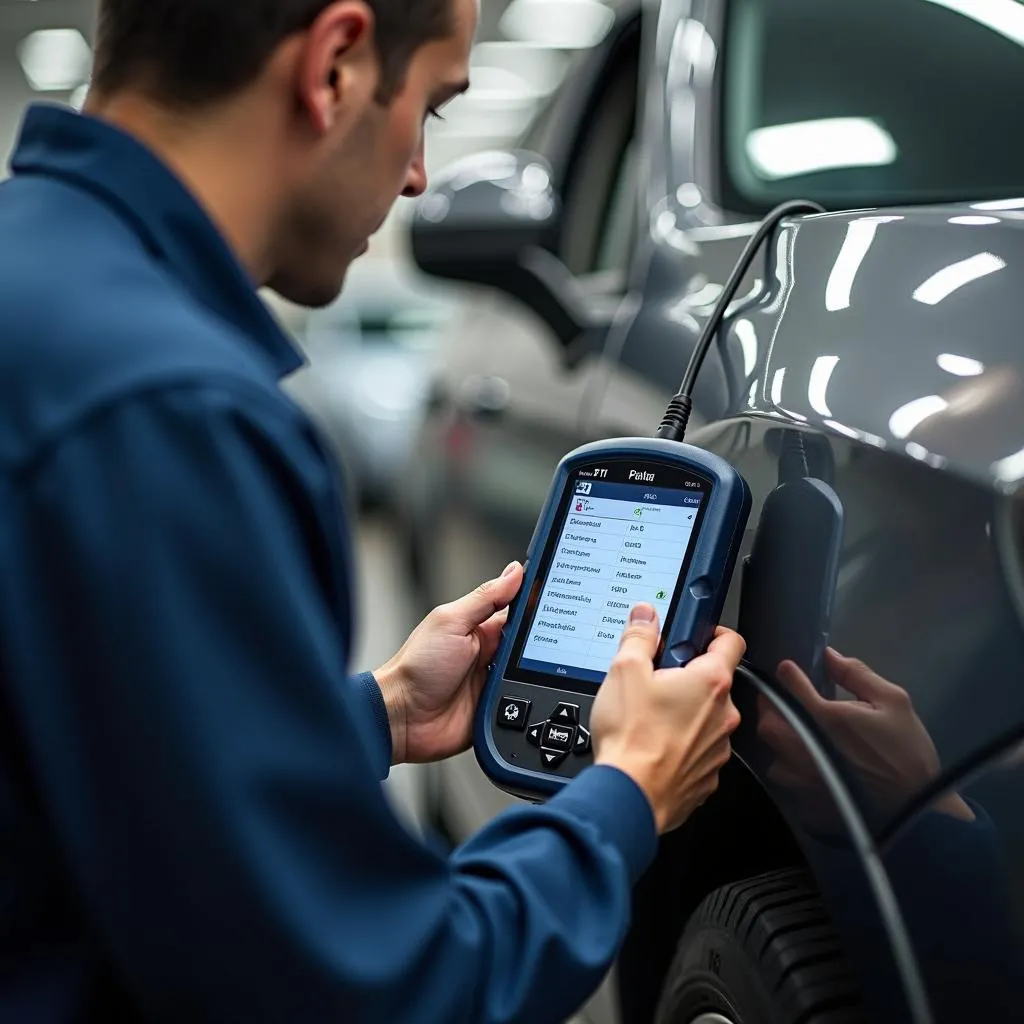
(494, 219)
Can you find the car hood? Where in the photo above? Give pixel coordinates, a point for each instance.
(899, 327)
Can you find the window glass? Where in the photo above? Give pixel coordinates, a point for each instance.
(858, 102)
(596, 231)
(618, 232)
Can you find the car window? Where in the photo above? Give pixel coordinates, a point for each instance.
(600, 189)
(618, 231)
(861, 102)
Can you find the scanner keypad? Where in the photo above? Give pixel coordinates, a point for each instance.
(559, 735)
(543, 729)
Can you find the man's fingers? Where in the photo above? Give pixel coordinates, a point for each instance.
(490, 634)
(796, 681)
(856, 678)
(729, 646)
(474, 609)
(640, 637)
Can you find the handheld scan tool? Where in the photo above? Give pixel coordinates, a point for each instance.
(627, 521)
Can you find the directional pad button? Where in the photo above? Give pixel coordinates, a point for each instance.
(566, 714)
(552, 758)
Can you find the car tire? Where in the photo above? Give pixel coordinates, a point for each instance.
(761, 951)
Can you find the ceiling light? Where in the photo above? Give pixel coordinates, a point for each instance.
(562, 24)
(960, 366)
(859, 236)
(910, 416)
(543, 67)
(1000, 204)
(777, 382)
(806, 147)
(1010, 469)
(821, 377)
(948, 280)
(748, 345)
(55, 59)
(1003, 16)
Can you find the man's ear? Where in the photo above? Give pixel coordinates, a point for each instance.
(338, 65)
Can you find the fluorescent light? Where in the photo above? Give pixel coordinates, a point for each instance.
(748, 343)
(910, 416)
(948, 280)
(55, 59)
(859, 236)
(960, 366)
(841, 428)
(974, 221)
(777, 381)
(817, 389)
(1010, 469)
(496, 85)
(541, 66)
(563, 24)
(1003, 16)
(804, 147)
(1000, 204)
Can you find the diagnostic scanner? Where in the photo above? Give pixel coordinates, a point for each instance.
(627, 521)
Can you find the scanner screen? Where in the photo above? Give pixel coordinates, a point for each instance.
(622, 537)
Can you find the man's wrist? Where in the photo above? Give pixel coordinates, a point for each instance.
(393, 690)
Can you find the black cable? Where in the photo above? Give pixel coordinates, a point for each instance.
(677, 415)
(793, 457)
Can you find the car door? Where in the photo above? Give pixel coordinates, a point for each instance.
(507, 400)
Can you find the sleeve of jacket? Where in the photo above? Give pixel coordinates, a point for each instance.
(367, 689)
(213, 781)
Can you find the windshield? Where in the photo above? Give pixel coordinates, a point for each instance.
(868, 102)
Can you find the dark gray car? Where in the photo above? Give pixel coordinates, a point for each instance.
(864, 858)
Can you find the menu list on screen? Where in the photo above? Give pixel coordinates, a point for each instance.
(620, 544)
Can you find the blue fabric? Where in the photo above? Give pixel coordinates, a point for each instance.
(192, 825)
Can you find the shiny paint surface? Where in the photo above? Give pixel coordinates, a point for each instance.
(890, 341)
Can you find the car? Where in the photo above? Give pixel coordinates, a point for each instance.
(863, 859)
(371, 357)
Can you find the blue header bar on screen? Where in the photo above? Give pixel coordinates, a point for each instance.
(639, 493)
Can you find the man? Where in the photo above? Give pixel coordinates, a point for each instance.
(191, 817)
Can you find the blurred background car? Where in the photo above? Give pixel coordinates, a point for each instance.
(371, 359)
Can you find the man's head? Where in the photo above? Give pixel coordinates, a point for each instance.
(337, 92)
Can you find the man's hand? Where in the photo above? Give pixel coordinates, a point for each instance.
(884, 742)
(667, 729)
(432, 685)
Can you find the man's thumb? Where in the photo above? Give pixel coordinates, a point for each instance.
(476, 608)
(641, 636)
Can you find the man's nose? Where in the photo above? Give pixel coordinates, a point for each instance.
(416, 182)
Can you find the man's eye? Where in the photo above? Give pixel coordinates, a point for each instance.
(435, 113)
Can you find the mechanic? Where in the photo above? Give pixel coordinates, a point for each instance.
(192, 819)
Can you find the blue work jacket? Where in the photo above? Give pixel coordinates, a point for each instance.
(192, 823)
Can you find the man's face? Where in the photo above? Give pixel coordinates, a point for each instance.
(362, 167)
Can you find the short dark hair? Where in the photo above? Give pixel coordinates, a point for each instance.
(192, 52)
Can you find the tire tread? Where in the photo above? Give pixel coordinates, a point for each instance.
(780, 920)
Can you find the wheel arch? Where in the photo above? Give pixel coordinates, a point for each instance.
(715, 848)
